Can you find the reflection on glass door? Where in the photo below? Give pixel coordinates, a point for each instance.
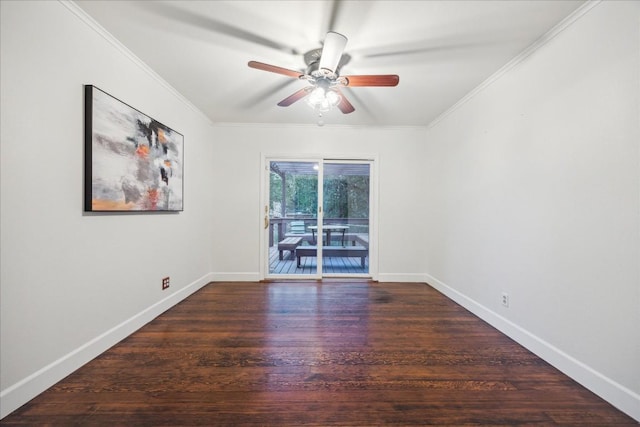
(292, 215)
(346, 213)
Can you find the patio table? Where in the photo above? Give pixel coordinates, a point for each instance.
(328, 229)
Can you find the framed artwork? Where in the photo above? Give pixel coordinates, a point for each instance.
(132, 162)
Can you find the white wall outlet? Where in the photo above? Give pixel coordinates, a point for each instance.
(505, 299)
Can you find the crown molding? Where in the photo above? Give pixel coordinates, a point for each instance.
(539, 43)
(311, 125)
(95, 26)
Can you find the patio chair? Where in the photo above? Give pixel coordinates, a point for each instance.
(297, 227)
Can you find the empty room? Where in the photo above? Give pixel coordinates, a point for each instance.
(320, 212)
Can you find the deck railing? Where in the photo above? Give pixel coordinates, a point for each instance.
(278, 227)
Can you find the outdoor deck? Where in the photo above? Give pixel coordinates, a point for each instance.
(332, 265)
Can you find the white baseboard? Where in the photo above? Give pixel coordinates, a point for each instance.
(20, 393)
(235, 277)
(401, 277)
(619, 396)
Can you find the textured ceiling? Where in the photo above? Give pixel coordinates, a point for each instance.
(440, 49)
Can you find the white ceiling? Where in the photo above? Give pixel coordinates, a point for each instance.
(440, 49)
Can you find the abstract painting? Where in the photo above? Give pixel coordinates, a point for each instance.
(132, 162)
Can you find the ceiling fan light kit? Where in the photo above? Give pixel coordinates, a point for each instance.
(323, 100)
(323, 76)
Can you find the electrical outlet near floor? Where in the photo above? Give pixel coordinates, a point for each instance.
(165, 283)
(505, 299)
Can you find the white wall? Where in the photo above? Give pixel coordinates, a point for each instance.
(533, 188)
(72, 284)
(237, 163)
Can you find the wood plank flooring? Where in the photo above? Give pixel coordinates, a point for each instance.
(352, 353)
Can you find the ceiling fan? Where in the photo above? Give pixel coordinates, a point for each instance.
(323, 76)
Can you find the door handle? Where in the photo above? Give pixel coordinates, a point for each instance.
(266, 222)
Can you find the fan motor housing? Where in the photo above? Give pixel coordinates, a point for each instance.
(312, 59)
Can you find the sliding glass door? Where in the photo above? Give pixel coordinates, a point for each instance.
(291, 210)
(316, 210)
(346, 208)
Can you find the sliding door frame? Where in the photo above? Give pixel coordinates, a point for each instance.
(372, 160)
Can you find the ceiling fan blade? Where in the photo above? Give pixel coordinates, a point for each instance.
(332, 15)
(344, 105)
(275, 69)
(188, 17)
(372, 80)
(261, 96)
(362, 106)
(334, 44)
(297, 96)
(424, 48)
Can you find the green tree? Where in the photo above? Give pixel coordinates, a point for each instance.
(346, 196)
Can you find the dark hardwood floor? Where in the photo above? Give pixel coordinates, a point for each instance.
(317, 353)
